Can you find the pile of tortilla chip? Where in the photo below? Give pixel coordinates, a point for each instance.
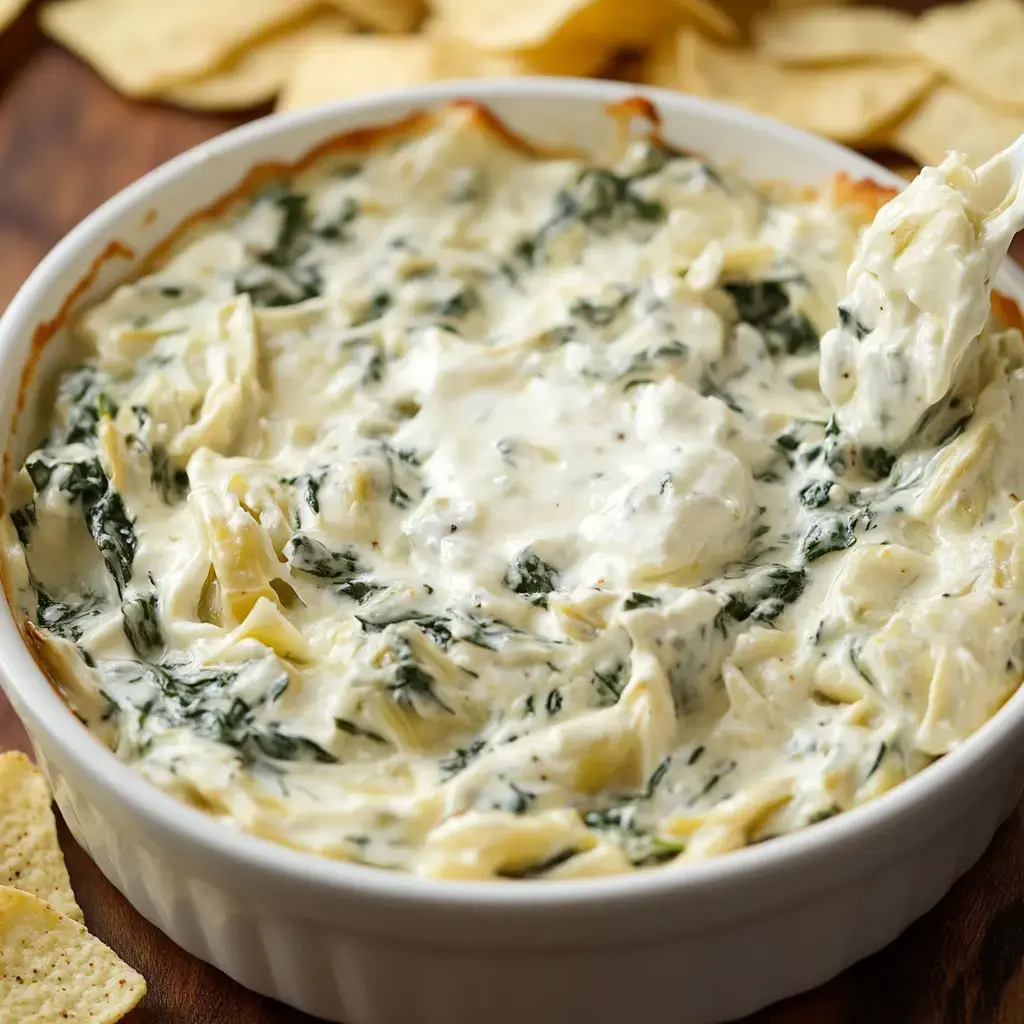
(865, 75)
(51, 968)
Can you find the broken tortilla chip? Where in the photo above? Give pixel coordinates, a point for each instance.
(52, 969)
(852, 103)
(144, 49)
(260, 72)
(340, 69)
(30, 858)
(950, 119)
(395, 16)
(9, 10)
(978, 44)
(833, 35)
(536, 24)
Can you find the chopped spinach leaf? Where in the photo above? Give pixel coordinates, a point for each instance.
(539, 868)
(532, 577)
(403, 481)
(141, 622)
(269, 286)
(208, 702)
(313, 558)
(597, 314)
(106, 517)
(82, 396)
(458, 305)
(490, 634)
(709, 388)
(279, 277)
(309, 485)
(334, 230)
(410, 682)
(611, 679)
(24, 519)
(167, 478)
(434, 626)
(716, 775)
(761, 595)
(351, 729)
(646, 360)
(292, 238)
(379, 304)
(849, 321)
(767, 307)
(877, 462)
(375, 363)
(657, 776)
(815, 494)
(601, 200)
(618, 822)
(277, 745)
(823, 815)
(520, 800)
(461, 758)
(639, 600)
(832, 533)
(883, 749)
(170, 481)
(858, 666)
(347, 576)
(64, 619)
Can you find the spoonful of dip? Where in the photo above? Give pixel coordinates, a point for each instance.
(920, 286)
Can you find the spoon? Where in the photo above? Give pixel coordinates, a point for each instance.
(997, 175)
(922, 281)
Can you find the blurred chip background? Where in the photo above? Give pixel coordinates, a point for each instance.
(915, 80)
(94, 93)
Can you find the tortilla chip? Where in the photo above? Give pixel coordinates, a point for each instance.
(143, 49)
(52, 969)
(340, 69)
(950, 119)
(455, 58)
(852, 103)
(9, 10)
(709, 16)
(799, 5)
(260, 72)
(394, 16)
(744, 12)
(979, 44)
(833, 35)
(345, 67)
(30, 858)
(535, 24)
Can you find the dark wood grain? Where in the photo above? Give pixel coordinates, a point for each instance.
(67, 143)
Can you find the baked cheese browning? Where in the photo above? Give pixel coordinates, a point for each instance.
(458, 510)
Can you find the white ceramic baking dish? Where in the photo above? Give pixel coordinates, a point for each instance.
(708, 942)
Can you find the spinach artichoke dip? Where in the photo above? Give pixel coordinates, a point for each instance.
(456, 508)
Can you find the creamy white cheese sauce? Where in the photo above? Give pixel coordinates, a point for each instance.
(469, 513)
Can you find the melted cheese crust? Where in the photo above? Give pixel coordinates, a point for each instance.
(461, 511)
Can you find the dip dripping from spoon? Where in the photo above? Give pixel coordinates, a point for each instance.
(919, 293)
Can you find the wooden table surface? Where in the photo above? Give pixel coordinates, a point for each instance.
(67, 142)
